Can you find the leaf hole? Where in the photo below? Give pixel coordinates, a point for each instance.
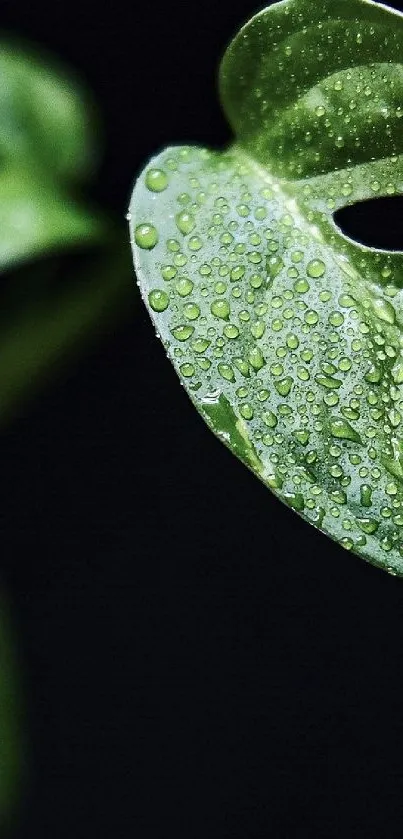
(376, 223)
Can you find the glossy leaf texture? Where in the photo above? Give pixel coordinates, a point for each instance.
(286, 333)
(47, 143)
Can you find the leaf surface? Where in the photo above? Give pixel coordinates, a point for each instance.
(286, 333)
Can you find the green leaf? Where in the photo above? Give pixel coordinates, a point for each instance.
(10, 725)
(39, 332)
(47, 143)
(46, 114)
(35, 217)
(286, 333)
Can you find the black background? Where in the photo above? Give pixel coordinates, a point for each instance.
(197, 661)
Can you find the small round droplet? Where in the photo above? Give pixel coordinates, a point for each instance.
(191, 311)
(185, 222)
(301, 286)
(168, 272)
(336, 319)
(146, 236)
(246, 411)
(292, 341)
(184, 287)
(182, 333)
(284, 386)
(231, 331)
(156, 180)
(311, 317)
(158, 300)
(316, 268)
(220, 309)
(200, 345)
(187, 370)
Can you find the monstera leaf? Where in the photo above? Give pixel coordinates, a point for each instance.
(286, 333)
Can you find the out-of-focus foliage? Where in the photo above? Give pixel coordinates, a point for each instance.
(48, 148)
(47, 145)
(44, 325)
(10, 725)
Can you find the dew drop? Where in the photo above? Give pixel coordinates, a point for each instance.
(292, 341)
(258, 329)
(185, 222)
(220, 309)
(242, 366)
(184, 287)
(311, 317)
(295, 500)
(168, 272)
(302, 436)
(270, 419)
(367, 525)
(366, 495)
(191, 311)
(158, 300)
(328, 382)
(336, 319)
(384, 310)
(146, 236)
(342, 430)
(156, 180)
(284, 386)
(226, 372)
(256, 359)
(182, 333)
(316, 268)
(187, 370)
(246, 411)
(373, 375)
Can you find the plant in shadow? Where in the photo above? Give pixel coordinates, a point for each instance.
(11, 731)
(48, 150)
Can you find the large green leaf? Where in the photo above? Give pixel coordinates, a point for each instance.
(286, 333)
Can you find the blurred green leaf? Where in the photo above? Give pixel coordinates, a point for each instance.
(35, 217)
(47, 145)
(39, 333)
(10, 724)
(46, 114)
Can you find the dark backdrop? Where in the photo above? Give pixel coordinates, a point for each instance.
(197, 661)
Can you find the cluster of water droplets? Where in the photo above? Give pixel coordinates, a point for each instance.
(296, 361)
(305, 88)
